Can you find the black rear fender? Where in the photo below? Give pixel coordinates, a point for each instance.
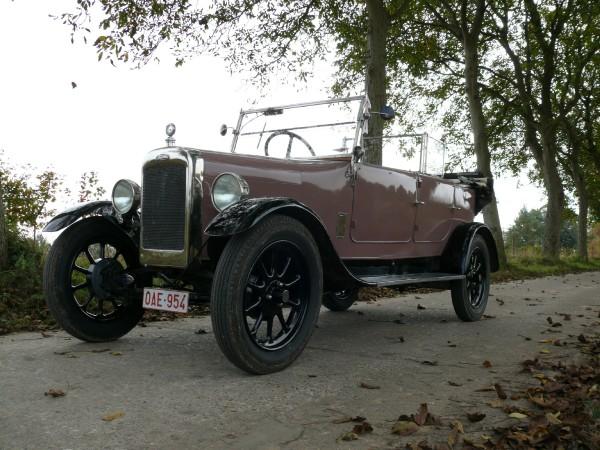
(455, 253)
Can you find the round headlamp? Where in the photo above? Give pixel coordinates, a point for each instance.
(126, 196)
(227, 189)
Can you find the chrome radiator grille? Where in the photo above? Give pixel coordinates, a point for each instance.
(164, 206)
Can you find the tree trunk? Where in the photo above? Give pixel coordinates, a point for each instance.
(3, 235)
(376, 82)
(556, 195)
(480, 140)
(582, 223)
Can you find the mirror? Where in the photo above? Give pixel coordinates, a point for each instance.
(223, 130)
(387, 113)
(358, 153)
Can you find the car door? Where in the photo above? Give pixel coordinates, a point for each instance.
(384, 205)
(435, 209)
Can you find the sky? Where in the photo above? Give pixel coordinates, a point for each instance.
(115, 115)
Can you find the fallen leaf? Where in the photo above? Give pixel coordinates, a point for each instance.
(55, 393)
(422, 414)
(404, 428)
(368, 386)
(475, 417)
(46, 335)
(518, 415)
(453, 438)
(419, 306)
(200, 331)
(112, 416)
(501, 394)
(362, 428)
(581, 338)
(553, 418)
(500, 301)
(101, 350)
(116, 353)
(429, 363)
(452, 383)
(73, 85)
(487, 316)
(556, 324)
(549, 320)
(545, 351)
(349, 419)
(487, 364)
(496, 403)
(458, 426)
(349, 436)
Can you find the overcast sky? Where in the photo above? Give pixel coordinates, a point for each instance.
(115, 115)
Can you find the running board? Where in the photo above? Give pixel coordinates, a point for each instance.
(411, 278)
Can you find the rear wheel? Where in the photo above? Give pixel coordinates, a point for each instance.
(86, 279)
(470, 296)
(266, 295)
(340, 300)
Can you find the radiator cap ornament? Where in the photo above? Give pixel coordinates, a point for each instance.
(170, 130)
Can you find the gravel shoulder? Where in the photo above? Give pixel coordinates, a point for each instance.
(174, 387)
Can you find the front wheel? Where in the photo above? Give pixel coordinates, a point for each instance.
(266, 295)
(470, 296)
(87, 279)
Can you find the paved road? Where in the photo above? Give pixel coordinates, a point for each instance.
(177, 390)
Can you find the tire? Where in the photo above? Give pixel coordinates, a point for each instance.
(470, 296)
(77, 309)
(245, 294)
(340, 300)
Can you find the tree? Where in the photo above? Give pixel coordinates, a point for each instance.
(532, 35)
(27, 197)
(89, 188)
(3, 234)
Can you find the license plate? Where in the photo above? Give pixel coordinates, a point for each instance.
(166, 300)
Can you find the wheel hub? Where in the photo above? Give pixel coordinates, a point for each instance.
(108, 278)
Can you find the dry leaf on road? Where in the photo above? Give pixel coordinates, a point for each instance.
(405, 428)
(475, 416)
(112, 416)
(55, 393)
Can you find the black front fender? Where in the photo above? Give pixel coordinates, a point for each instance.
(245, 214)
(71, 215)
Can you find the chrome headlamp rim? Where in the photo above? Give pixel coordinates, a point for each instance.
(243, 185)
(135, 193)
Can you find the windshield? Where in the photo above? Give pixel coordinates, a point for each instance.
(299, 131)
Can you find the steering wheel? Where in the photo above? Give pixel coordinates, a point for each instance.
(289, 148)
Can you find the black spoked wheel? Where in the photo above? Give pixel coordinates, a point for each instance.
(340, 300)
(266, 295)
(87, 281)
(276, 297)
(470, 296)
(476, 277)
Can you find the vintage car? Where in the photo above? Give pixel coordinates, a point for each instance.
(267, 233)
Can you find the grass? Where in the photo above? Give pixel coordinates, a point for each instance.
(536, 267)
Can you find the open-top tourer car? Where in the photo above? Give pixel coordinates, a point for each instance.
(291, 218)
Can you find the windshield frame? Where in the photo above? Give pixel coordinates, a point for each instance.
(361, 118)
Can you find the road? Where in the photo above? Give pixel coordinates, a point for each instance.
(171, 387)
